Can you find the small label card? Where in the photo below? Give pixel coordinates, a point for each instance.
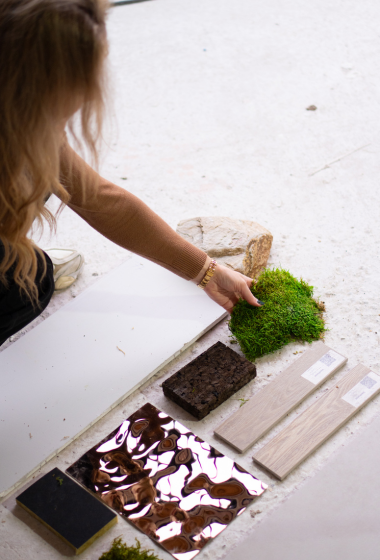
(323, 367)
(367, 387)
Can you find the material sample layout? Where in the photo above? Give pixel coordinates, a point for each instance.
(278, 398)
(168, 482)
(84, 359)
(316, 424)
(209, 380)
(67, 509)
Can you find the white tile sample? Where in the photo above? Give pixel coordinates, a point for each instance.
(71, 369)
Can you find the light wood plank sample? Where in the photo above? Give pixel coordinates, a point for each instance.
(277, 399)
(322, 419)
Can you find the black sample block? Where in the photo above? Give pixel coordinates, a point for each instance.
(209, 380)
(66, 508)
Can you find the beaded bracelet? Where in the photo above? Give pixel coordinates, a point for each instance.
(209, 274)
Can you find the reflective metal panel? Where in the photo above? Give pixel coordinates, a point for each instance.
(168, 482)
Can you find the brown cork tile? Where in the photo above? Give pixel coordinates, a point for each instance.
(209, 380)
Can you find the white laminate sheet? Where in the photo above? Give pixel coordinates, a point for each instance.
(67, 372)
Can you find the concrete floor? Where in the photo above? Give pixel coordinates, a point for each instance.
(209, 117)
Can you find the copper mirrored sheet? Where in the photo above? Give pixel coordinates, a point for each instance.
(168, 482)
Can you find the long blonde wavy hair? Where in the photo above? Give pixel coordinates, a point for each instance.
(51, 54)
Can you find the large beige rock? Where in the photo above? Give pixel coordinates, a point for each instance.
(238, 244)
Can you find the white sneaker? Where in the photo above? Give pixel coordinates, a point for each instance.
(67, 264)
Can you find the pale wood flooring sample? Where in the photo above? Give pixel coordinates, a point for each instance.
(278, 398)
(322, 419)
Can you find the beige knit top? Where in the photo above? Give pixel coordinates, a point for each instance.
(125, 219)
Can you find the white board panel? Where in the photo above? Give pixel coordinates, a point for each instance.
(67, 372)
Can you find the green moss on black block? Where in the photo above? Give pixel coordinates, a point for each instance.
(120, 551)
(290, 313)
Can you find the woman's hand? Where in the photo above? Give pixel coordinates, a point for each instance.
(227, 286)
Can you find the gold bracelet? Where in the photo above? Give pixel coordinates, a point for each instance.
(209, 274)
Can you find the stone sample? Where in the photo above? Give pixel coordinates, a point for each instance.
(209, 380)
(241, 245)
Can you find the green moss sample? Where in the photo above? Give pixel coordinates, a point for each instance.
(120, 551)
(290, 313)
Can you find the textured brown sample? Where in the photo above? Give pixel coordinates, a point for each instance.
(267, 407)
(320, 421)
(209, 380)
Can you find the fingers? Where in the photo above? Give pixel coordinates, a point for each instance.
(228, 307)
(249, 280)
(229, 302)
(248, 296)
(226, 287)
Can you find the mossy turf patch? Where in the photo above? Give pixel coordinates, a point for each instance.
(290, 313)
(120, 551)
